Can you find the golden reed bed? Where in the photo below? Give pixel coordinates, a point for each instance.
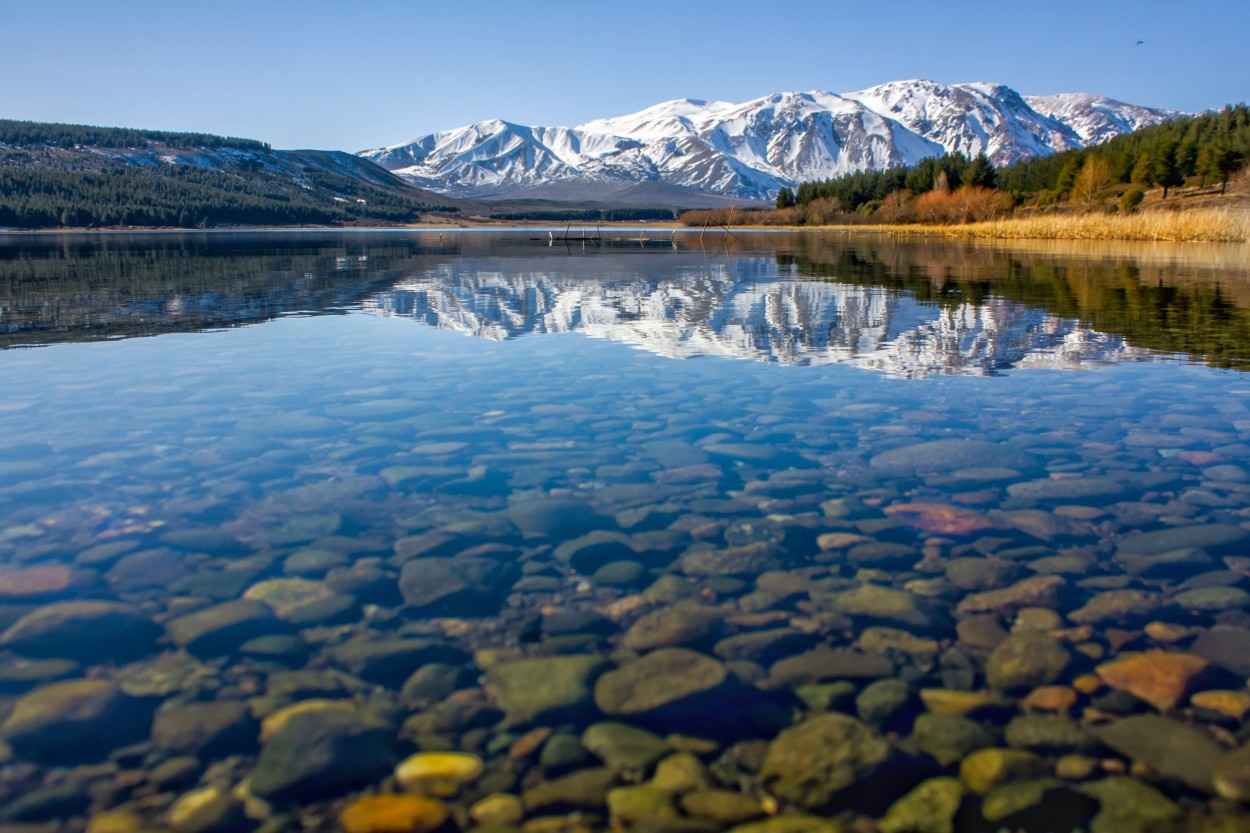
(1209, 225)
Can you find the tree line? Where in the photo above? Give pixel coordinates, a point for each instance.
(184, 196)
(27, 133)
(1202, 150)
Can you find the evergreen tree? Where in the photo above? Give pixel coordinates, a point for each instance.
(1218, 162)
(785, 198)
(1067, 176)
(980, 172)
(1143, 172)
(1166, 172)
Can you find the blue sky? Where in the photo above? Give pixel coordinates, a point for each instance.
(313, 73)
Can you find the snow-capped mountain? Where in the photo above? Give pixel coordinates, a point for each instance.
(744, 310)
(1096, 118)
(713, 149)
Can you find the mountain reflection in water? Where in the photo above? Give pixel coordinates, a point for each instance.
(906, 308)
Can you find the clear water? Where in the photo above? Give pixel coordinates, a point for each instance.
(617, 430)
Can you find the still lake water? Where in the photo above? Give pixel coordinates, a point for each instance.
(789, 532)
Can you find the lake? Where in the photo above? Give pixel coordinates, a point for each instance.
(669, 531)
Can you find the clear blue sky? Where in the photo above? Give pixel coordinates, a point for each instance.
(354, 75)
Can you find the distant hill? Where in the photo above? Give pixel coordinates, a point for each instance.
(73, 176)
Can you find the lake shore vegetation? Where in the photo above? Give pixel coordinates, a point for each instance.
(1185, 180)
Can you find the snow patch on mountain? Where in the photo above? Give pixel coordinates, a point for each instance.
(1095, 118)
(750, 150)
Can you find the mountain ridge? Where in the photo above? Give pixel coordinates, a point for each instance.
(750, 150)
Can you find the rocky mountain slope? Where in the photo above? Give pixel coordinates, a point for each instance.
(701, 151)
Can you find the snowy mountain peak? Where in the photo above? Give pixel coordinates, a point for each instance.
(688, 148)
(1096, 118)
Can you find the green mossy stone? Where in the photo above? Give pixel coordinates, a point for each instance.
(1128, 805)
(625, 748)
(949, 738)
(985, 769)
(640, 802)
(811, 763)
(1026, 660)
(1016, 797)
(547, 689)
(585, 789)
(929, 808)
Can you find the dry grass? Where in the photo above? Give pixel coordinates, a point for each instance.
(1208, 225)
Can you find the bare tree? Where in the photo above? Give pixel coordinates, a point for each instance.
(1093, 178)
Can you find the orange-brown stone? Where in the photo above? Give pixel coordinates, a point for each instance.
(1161, 679)
(940, 518)
(393, 814)
(1235, 704)
(1087, 683)
(529, 743)
(36, 582)
(1168, 632)
(1051, 698)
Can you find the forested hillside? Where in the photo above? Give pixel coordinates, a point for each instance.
(74, 176)
(1203, 150)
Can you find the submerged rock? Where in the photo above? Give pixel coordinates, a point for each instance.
(639, 803)
(1225, 647)
(76, 719)
(287, 595)
(812, 763)
(1119, 607)
(391, 661)
(207, 730)
(953, 455)
(887, 605)
(316, 755)
(1212, 536)
(1071, 489)
(747, 559)
(438, 773)
(87, 631)
(207, 810)
(825, 663)
(670, 688)
(1232, 775)
(1026, 660)
(721, 806)
(940, 518)
(1213, 599)
(1127, 805)
(985, 769)
(1037, 591)
(949, 738)
(1161, 679)
(546, 689)
(457, 586)
(222, 628)
(684, 623)
(623, 748)
(393, 814)
(44, 581)
(585, 789)
(929, 808)
(1167, 746)
(553, 517)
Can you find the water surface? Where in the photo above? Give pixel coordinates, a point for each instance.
(758, 498)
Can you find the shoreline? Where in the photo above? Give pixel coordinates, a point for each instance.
(1211, 225)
